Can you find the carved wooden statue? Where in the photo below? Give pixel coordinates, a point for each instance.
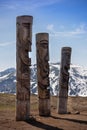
(64, 79)
(23, 46)
(42, 49)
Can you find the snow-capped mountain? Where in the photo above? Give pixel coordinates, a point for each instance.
(8, 80)
(77, 80)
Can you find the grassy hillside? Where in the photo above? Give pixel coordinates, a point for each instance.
(7, 101)
(54, 122)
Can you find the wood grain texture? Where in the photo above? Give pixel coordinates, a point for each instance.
(23, 47)
(64, 79)
(42, 51)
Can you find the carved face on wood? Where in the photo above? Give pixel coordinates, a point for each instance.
(66, 59)
(43, 65)
(43, 54)
(66, 56)
(65, 66)
(24, 42)
(23, 46)
(43, 62)
(24, 36)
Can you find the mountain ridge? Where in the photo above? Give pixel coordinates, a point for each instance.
(77, 80)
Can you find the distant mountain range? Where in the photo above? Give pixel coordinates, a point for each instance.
(77, 80)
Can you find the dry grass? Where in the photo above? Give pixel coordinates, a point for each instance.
(77, 104)
(54, 122)
(7, 101)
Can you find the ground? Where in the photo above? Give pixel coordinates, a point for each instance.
(77, 120)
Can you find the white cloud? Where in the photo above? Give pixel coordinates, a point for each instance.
(28, 4)
(50, 27)
(9, 5)
(82, 29)
(39, 3)
(6, 43)
(62, 26)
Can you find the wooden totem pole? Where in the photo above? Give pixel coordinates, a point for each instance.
(23, 46)
(42, 49)
(64, 79)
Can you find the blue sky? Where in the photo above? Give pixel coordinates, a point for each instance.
(64, 20)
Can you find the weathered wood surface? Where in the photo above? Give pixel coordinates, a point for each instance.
(23, 47)
(64, 79)
(42, 51)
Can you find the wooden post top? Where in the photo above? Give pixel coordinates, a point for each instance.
(66, 49)
(25, 19)
(42, 33)
(42, 36)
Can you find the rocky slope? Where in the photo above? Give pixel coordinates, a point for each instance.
(77, 80)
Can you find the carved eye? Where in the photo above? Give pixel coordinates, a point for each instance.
(44, 45)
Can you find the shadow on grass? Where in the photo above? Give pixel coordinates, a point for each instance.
(38, 124)
(73, 120)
